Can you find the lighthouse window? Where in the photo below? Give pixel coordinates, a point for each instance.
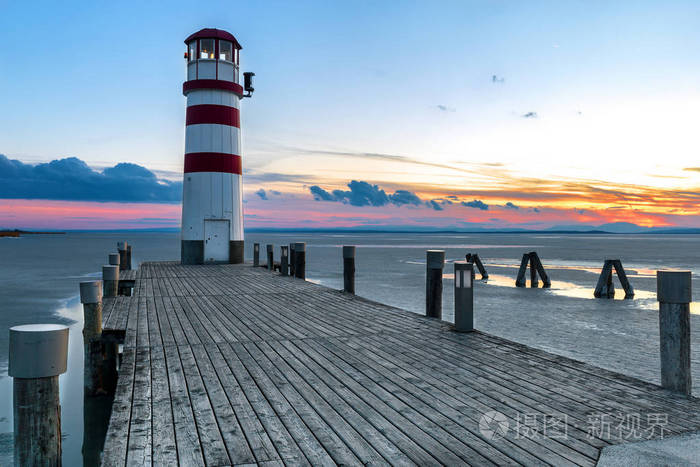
(192, 51)
(206, 48)
(226, 51)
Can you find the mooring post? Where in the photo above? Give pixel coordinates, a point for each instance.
(38, 354)
(464, 296)
(284, 260)
(292, 259)
(349, 269)
(114, 259)
(110, 280)
(300, 260)
(673, 291)
(270, 257)
(435, 262)
(128, 258)
(91, 298)
(256, 254)
(121, 248)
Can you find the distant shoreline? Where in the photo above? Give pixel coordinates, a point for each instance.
(19, 233)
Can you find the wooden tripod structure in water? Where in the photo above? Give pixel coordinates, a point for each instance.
(535, 269)
(605, 287)
(473, 258)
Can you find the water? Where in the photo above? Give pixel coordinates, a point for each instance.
(39, 280)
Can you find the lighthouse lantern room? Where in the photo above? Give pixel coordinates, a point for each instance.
(212, 208)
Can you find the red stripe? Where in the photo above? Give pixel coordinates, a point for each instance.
(212, 162)
(211, 113)
(193, 84)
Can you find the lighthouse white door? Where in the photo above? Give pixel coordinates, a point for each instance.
(216, 240)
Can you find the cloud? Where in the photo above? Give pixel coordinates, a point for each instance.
(320, 194)
(478, 204)
(496, 80)
(529, 115)
(535, 209)
(401, 197)
(692, 169)
(365, 194)
(250, 176)
(362, 194)
(72, 179)
(261, 193)
(374, 156)
(275, 192)
(435, 205)
(445, 108)
(510, 205)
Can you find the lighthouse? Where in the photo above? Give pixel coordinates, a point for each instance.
(212, 205)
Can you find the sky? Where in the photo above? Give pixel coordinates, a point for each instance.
(452, 115)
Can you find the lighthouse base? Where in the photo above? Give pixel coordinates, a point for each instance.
(235, 252)
(192, 252)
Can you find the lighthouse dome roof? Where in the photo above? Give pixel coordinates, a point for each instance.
(211, 33)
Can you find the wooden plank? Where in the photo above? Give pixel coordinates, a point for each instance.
(307, 442)
(117, 438)
(283, 441)
(189, 446)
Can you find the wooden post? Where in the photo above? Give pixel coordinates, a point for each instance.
(546, 283)
(534, 283)
(602, 287)
(520, 280)
(622, 275)
(349, 269)
(256, 254)
(110, 280)
(121, 248)
(91, 298)
(270, 257)
(464, 296)
(673, 291)
(474, 259)
(284, 260)
(435, 262)
(128, 258)
(38, 354)
(292, 259)
(300, 260)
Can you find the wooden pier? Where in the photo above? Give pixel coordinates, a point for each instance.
(231, 364)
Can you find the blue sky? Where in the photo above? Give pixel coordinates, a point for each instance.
(610, 87)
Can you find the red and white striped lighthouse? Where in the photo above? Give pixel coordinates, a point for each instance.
(212, 208)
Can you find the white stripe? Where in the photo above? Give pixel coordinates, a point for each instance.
(212, 96)
(209, 137)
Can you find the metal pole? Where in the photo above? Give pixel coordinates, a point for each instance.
(349, 269)
(292, 259)
(284, 260)
(38, 354)
(300, 260)
(673, 291)
(433, 283)
(270, 257)
(464, 296)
